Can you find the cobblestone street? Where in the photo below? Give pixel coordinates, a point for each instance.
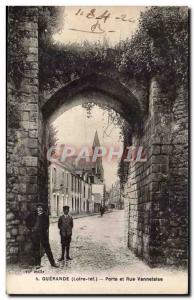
(99, 251)
(98, 243)
(99, 246)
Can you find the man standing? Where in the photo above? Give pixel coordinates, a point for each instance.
(39, 225)
(65, 225)
(101, 210)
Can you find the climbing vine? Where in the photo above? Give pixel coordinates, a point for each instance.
(158, 48)
(15, 47)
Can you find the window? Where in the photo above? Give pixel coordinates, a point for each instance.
(57, 208)
(62, 179)
(54, 203)
(78, 185)
(72, 204)
(63, 200)
(54, 175)
(72, 183)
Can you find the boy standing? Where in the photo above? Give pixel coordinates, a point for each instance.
(65, 224)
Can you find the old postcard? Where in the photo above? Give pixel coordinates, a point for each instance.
(97, 150)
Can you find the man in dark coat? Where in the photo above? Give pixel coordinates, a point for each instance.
(101, 210)
(65, 225)
(39, 225)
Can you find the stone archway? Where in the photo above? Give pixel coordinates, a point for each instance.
(146, 191)
(98, 89)
(156, 193)
(115, 95)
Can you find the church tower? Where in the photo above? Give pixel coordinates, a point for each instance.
(99, 171)
(96, 142)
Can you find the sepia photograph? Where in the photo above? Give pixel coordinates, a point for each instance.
(97, 150)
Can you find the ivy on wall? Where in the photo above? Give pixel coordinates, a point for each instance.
(159, 47)
(65, 61)
(15, 65)
(16, 50)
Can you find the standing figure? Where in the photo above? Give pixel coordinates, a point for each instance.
(101, 210)
(39, 225)
(65, 225)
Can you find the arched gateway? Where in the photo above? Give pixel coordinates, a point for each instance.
(155, 191)
(100, 89)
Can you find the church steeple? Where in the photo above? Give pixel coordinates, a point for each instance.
(98, 169)
(96, 142)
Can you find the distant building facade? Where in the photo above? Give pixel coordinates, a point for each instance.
(106, 199)
(98, 195)
(115, 196)
(78, 185)
(68, 188)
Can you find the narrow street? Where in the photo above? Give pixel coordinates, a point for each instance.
(98, 243)
(99, 246)
(99, 254)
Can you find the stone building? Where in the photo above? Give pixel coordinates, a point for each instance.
(106, 199)
(76, 184)
(98, 195)
(68, 188)
(115, 196)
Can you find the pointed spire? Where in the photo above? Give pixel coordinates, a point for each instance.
(96, 142)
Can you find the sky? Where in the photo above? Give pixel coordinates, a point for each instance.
(93, 24)
(76, 129)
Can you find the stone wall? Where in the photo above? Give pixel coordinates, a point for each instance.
(22, 134)
(177, 239)
(157, 197)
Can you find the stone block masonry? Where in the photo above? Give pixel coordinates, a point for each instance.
(22, 142)
(157, 191)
